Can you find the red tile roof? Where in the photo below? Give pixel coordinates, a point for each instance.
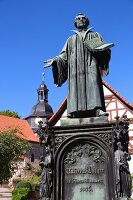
(8, 123)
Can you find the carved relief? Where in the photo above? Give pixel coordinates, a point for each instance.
(59, 140)
(104, 136)
(89, 150)
(84, 171)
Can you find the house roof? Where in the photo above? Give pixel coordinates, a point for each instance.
(57, 115)
(129, 105)
(24, 130)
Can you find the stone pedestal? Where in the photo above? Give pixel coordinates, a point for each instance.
(84, 121)
(86, 159)
(83, 160)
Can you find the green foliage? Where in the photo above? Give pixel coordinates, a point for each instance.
(35, 180)
(31, 175)
(36, 170)
(36, 175)
(24, 184)
(21, 193)
(11, 147)
(9, 113)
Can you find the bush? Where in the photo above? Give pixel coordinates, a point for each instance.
(24, 184)
(11, 147)
(21, 193)
(35, 180)
(37, 170)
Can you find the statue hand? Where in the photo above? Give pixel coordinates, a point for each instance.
(49, 62)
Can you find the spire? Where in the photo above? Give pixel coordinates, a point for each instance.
(41, 109)
(43, 74)
(42, 90)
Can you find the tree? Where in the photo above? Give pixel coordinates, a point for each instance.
(11, 147)
(9, 113)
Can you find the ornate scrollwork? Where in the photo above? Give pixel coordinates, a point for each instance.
(59, 139)
(104, 136)
(87, 150)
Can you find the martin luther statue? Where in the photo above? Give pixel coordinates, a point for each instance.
(83, 61)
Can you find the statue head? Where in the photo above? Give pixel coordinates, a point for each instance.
(81, 21)
(119, 146)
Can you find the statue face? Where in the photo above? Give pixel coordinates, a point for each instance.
(81, 22)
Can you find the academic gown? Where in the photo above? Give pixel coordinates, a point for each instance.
(84, 70)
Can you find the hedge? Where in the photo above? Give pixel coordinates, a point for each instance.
(24, 184)
(21, 193)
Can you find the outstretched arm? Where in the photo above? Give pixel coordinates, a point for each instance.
(48, 63)
(62, 55)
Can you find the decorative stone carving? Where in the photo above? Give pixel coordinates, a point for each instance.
(120, 144)
(46, 162)
(59, 139)
(84, 172)
(104, 136)
(84, 163)
(91, 151)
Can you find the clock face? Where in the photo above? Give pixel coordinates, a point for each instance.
(37, 120)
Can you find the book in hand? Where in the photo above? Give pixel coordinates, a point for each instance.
(95, 44)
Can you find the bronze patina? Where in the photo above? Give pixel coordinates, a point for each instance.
(83, 61)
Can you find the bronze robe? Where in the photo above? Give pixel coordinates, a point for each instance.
(83, 69)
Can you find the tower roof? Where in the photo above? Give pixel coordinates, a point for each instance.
(42, 108)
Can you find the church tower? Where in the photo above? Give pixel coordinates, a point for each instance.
(41, 111)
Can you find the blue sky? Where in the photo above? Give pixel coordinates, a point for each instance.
(32, 31)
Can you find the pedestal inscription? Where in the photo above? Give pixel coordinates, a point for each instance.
(85, 173)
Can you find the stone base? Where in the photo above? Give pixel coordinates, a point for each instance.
(83, 159)
(84, 121)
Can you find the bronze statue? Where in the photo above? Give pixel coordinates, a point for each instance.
(83, 61)
(46, 176)
(123, 177)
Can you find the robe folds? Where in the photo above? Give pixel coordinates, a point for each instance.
(83, 69)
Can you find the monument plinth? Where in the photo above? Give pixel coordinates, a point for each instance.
(86, 161)
(83, 162)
